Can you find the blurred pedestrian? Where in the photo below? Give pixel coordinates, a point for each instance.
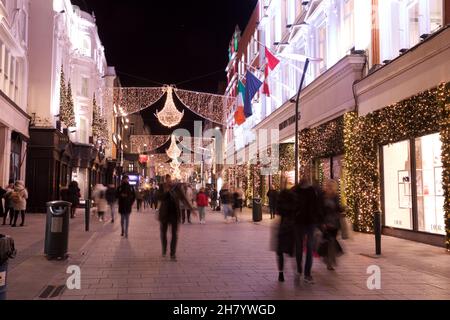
(240, 198)
(236, 204)
(214, 197)
(74, 196)
(99, 195)
(139, 198)
(111, 199)
(9, 210)
(226, 201)
(285, 236)
(154, 195)
(272, 194)
(126, 196)
(185, 210)
(202, 203)
(307, 218)
(169, 195)
(19, 198)
(331, 223)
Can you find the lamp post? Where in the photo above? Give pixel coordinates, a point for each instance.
(297, 101)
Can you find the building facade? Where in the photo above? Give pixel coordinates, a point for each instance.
(14, 119)
(368, 60)
(65, 40)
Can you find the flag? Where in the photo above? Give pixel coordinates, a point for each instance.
(266, 89)
(239, 116)
(272, 61)
(252, 85)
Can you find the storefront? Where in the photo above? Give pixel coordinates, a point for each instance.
(413, 195)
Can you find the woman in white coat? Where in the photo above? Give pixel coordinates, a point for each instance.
(18, 197)
(100, 200)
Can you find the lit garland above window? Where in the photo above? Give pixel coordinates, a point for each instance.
(169, 116)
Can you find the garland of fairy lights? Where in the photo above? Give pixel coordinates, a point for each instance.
(132, 100)
(425, 113)
(319, 142)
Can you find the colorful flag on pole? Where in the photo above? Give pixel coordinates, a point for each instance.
(252, 85)
(239, 116)
(266, 89)
(272, 61)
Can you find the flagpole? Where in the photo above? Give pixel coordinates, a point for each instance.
(296, 151)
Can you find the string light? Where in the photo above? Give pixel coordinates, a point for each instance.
(425, 113)
(173, 152)
(169, 116)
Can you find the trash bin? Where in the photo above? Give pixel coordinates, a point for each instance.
(7, 251)
(57, 229)
(257, 209)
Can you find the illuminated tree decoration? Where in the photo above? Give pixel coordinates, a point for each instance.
(169, 116)
(66, 107)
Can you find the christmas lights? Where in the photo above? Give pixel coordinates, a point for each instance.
(425, 113)
(66, 107)
(169, 116)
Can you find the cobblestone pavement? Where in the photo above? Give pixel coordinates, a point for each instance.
(220, 260)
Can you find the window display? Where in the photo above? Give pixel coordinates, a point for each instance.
(397, 185)
(430, 197)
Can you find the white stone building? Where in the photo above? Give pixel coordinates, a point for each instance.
(62, 35)
(14, 119)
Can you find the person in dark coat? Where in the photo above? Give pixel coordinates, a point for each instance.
(170, 195)
(308, 215)
(126, 196)
(213, 197)
(9, 210)
(111, 199)
(272, 194)
(285, 238)
(332, 210)
(73, 196)
(2, 194)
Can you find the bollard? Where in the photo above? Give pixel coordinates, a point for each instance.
(377, 229)
(87, 214)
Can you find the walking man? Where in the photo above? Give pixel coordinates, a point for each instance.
(111, 199)
(126, 195)
(170, 195)
(272, 194)
(307, 218)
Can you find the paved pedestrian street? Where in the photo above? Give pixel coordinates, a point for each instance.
(217, 260)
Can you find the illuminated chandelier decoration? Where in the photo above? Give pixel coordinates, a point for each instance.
(169, 116)
(175, 164)
(173, 152)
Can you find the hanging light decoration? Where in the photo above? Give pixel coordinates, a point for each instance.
(173, 152)
(175, 164)
(169, 116)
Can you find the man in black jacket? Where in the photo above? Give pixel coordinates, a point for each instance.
(126, 195)
(170, 195)
(307, 218)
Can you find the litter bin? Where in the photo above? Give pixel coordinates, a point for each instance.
(257, 210)
(7, 251)
(57, 229)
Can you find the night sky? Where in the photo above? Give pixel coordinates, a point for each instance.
(170, 42)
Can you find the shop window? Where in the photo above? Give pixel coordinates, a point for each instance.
(397, 185)
(419, 207)
(430, 194)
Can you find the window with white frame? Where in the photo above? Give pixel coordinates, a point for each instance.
(86, 46)
(85, 87)
(348, 25)
(322, 46)
(402, 22)
(83, 135)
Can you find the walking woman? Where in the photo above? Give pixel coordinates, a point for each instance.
(332, 213)
(19, 201)
(285, 235)
(127, 196)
